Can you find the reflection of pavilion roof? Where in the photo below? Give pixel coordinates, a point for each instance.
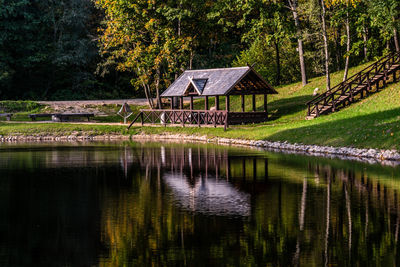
(212, 197)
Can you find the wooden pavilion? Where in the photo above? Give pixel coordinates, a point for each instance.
(223, 82)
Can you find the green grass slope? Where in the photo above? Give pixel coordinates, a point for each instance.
(372, 122)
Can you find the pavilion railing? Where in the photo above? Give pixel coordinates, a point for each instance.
(178, 116)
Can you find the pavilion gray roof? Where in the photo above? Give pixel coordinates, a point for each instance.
(211, 82)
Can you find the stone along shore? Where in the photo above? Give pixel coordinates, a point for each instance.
(347, 152)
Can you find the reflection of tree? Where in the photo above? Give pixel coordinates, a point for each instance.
(290, 215)
(301, 221)
(147, 216)
(348, 207)
(49, 216)
(363, 221)
(142, 223)
(328, 212)
(138, 225)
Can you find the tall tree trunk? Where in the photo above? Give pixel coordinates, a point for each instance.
(365, 41)
(148, 95)
(210, 48)
(302, 64)
(346, 66)
(158, 97)
(147, 92)
(338, 55)
(325, 36)
(396, 40)
(179, 27)
(293, 8)
(191, 59)
(278, 63)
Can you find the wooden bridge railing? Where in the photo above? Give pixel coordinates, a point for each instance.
(347, 88)
(177, 116)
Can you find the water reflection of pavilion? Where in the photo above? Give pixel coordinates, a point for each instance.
(203, 161)
(208, 196)
(315, 207)
(203, 179)
(355, 222)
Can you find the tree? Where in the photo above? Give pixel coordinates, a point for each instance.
(21, 46)
(326, 50)
(149, 39)
(293, 7)
(385, 15)
(267, 31)
(348, 41)
(362, 28)
(346, 6)
(47, 47)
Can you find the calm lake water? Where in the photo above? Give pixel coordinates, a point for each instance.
(133, 204)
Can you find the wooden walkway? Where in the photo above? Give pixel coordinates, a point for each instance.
(360, 85)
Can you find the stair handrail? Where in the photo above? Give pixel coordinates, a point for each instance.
(346, 82)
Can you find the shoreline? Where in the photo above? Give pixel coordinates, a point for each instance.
(387, 157)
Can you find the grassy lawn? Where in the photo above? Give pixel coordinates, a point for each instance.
(372, 122)
(59, 129)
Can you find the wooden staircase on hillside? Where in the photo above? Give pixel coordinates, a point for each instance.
(361, 84)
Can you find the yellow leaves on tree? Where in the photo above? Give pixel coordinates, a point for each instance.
(139, 37)
(330, 3)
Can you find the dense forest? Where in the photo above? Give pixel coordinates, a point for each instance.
(84, 49)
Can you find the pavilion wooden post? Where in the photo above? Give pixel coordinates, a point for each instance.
(182, 113)
(254, 102)
(176, 102)
(191, 108)
(227, 107)
(206, 107)
(242, 97)
(216, 108)
(172, 114)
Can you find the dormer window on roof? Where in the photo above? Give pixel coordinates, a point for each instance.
(195, 86)
(199, 84)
